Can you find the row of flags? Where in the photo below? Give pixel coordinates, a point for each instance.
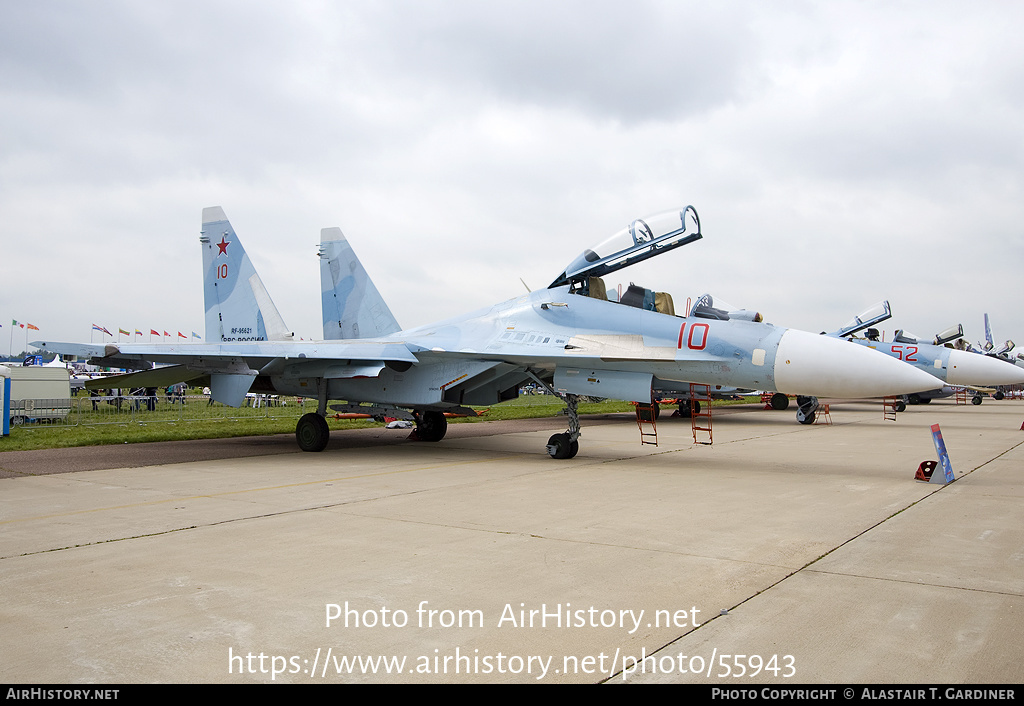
(152, 332)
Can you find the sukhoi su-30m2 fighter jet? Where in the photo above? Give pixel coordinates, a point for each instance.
(568, 338)
(954, 367)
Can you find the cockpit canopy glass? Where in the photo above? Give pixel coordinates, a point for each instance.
(950, 334)
(707, 307)
(902, 336)
(869, 317)
(642, 238)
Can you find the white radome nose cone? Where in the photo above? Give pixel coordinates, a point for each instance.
(974, 369)
(822, 366)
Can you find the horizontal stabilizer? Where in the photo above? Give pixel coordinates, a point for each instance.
(157, 377)
(104, 355)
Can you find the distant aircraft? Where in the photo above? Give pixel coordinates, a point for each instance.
(1003, 352)
(568, 338)
(807, 405)
(956, 367)
(989, 348)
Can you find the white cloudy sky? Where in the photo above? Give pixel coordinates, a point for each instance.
(838, 153)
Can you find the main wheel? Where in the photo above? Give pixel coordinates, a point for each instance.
(780, 401)
(312, 432)
(559, 446)
(688, 408)
(432, 426)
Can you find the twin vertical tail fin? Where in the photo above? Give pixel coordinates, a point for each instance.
(238, 307)
(352, 306)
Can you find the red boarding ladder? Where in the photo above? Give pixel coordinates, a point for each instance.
(889, 408)
(647, 414)
(700, 396)
(961, 395)
(822, 415)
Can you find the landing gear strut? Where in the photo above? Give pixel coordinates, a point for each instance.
(566, 445)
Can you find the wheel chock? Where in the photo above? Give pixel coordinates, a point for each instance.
(924, 471)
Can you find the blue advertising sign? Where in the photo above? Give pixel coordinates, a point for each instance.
(940, 449)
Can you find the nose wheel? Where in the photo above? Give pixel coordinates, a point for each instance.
(562, 446)
(806, 407)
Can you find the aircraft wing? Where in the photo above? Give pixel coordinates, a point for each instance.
(187, 353)
(233, 367)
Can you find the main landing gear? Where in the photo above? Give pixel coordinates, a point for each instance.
(430, 426)
(566, 445)
(312, 432)
(688, 408)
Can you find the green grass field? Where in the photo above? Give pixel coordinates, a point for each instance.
(169, 422)
(197, 420)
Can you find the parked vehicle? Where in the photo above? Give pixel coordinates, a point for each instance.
(39, 392)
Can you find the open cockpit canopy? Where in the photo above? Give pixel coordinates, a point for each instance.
(871, 316)
(642, 239)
